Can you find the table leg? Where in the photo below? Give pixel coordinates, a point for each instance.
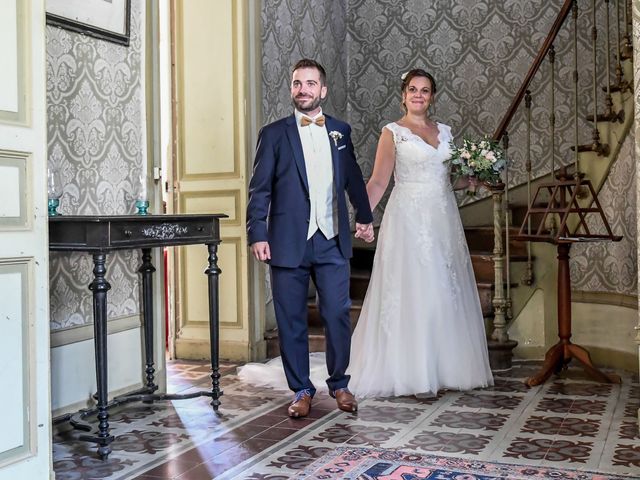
(100, 287)
(213, 273)
(558, 356)
(147, 269)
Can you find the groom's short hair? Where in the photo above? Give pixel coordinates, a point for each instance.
(308, 63)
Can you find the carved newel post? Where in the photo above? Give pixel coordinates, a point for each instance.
(500, 346)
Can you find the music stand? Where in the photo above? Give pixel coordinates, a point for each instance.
(568, 200)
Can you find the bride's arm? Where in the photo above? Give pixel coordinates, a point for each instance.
(382, 168)
(460, 183)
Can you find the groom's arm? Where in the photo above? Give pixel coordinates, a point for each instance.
(356, 188)
(260, 189)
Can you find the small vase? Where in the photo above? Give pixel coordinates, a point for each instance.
(54, 191)
(53, 207)
(142, 206)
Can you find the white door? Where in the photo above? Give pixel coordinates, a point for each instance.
(25, 441)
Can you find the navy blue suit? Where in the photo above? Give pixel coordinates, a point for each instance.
(278, 213)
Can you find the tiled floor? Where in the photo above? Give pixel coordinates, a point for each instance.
(567, 422)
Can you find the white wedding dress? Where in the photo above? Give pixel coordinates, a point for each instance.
(421, 328)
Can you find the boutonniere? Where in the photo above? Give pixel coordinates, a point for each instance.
(335, 135)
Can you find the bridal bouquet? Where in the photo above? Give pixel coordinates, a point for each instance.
(482, 160)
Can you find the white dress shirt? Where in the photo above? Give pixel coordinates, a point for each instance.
(317, 160)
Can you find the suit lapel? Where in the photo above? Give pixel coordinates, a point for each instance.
(329, 123)
(296, 146)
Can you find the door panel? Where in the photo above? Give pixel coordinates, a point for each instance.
(25, 445)
(211, 94)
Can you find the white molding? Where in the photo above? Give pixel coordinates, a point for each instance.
(81, 333)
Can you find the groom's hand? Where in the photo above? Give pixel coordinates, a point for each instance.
(261, 251)
(365, 232)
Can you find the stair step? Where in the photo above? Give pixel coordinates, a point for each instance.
(315, 329)
(316, 341)
(480, 239)
(359, 282)
(315, 320)
(613, 117)
(601, 149)
(483, 265)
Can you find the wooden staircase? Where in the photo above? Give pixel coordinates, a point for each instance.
(480, 241)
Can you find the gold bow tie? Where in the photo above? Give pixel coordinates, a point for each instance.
(304, 121)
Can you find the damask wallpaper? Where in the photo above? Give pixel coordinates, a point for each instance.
(612, 266)
(95, 116)
(292, 30)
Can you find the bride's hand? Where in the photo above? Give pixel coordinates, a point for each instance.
(365, 232)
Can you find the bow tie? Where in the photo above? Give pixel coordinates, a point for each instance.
(304, 121)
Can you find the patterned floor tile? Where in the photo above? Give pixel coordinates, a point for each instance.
(470, 420)
(569, 451)
(504, 402)
(628, 455)
(359, 435)
(580, 389)
(388, 414)
(528, 448)
(561, 426)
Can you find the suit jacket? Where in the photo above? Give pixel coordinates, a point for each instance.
(279, 208)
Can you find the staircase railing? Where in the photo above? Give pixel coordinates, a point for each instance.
(600, 11)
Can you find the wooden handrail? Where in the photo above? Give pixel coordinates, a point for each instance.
(562, 16)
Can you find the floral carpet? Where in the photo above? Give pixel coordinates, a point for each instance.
(383, 464)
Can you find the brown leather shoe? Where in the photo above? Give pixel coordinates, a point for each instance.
(345, 400)
(301, 404)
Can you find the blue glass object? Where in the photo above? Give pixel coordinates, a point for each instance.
(142, 206)
(53, 207)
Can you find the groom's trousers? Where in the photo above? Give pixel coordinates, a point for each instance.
(324, 263)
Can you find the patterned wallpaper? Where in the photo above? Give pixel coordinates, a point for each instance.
(612, 266)
(95, 117)
(292, 30)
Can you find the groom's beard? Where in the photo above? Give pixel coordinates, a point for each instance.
(297, 102)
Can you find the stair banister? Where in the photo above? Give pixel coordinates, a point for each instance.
(517, 99)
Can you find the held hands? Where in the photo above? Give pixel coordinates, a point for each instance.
(261, 251)
(365, 232)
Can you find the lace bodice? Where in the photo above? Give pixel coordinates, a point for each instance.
(419, 162)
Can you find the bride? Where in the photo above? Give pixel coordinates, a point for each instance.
(421, 328)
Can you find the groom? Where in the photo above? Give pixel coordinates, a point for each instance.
(298, 222)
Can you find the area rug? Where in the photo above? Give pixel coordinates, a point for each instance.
(379, 464)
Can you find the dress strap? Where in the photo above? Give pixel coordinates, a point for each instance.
(393, 128)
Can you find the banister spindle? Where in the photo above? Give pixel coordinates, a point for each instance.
(627, 46)
(595, 134)
(552, 113)
(575, 84)
(507, 221)
(527, 279)
(608, 112)
(618, 45)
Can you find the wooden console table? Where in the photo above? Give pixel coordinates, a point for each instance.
(101, 234)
